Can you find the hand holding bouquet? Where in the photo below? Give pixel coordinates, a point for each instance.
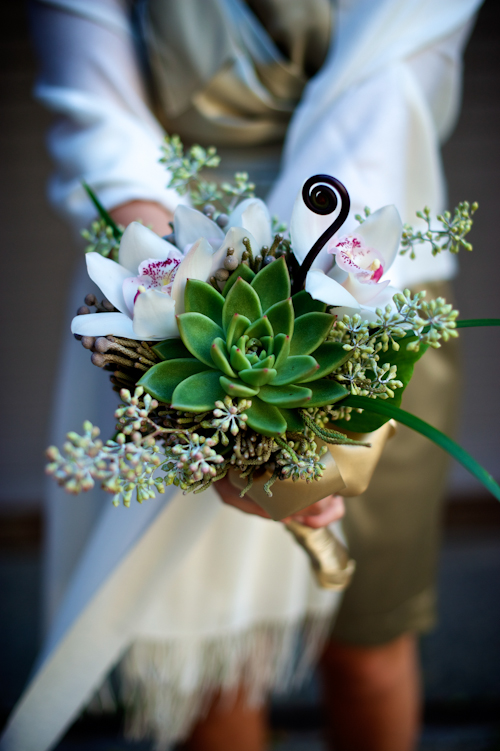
(238, 351)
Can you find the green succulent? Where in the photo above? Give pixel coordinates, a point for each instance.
(251, 341)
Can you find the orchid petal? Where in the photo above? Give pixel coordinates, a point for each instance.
(109, 277)
(385, 297)
(338, 274)
(306, 227)
(154, 316)
(234, 239)
(367, 314)
(140, 243)
(364, 293)
(190, 225)
(102, 324)
(382, 232)
(253, 215)
(321, 287)
(130, 289)
(197, 264)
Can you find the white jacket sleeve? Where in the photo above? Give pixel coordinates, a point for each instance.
(377, 111)
(106, 133)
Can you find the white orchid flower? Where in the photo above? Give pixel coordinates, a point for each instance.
(355, 283)
(144, 286)
(147, 284)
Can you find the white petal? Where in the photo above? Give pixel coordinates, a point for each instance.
(154, 316)
(366, 313)
(306, 227)
(130, 288)
(253, 215)
(102, 324)
(321, 287)
(140, 243)
(364, 293)
(196, 265)
(233, 239)
(109, 277)
(384, 298)
(382, 232)
(190, 225)
(338, 274)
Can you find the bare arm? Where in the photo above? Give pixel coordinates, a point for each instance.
(150, 213)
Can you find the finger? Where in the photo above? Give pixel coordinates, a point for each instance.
(331, 513)
(230, 496)
(316, 508)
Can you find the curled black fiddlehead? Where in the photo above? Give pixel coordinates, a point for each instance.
(321, 194)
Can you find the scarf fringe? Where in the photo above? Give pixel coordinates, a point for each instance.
(168, 686)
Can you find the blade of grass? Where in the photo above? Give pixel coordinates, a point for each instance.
(117, 233)
(467, 323)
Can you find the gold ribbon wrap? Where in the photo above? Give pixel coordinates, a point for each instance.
(348, 471)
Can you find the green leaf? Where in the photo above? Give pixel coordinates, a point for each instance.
(387, 409)
(259, 328)
(257, 377)
(218, 353)
(107, 218)
(272, 283)
(237, 327)
(281, 349)
(268, 344)
(293, 419)
(235, 387)
(237, 358)
(199, 392)
(162, 379)
(286, 396)
(466, 323)
(325, 392)
(241, 299)
(281, 317)
(330, 356)
(303, 303)
(171, 349)
(310, 330)
(198, 332)
(266, 362)
(201, 297)
(295, 369)
(243, 271)
(265, 419)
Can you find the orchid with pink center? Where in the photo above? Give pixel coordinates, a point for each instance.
(147, 284)
(356, 283)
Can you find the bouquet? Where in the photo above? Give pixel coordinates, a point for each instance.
(239, 349)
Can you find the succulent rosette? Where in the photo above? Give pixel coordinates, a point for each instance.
(254, 341)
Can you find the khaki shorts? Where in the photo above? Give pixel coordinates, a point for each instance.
(393, 530)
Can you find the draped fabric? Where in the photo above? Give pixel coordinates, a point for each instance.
(374, 116)
(218, 79)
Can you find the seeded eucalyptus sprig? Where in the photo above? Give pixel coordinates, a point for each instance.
(101, 239)
(450, 236)
(186, 167)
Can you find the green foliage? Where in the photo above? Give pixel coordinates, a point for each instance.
(186, 169)
(451, 235)
(265, 359)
